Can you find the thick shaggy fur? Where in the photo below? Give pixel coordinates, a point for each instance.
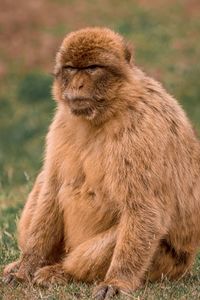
(118, 199)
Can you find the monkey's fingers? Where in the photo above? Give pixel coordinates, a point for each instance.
(11, 268)
(9, 278)
(51, 275)
(105, 292)
(9, 272)
(12, 279)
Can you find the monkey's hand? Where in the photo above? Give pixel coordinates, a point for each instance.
(50, 275)
(24, 269)
(9, 271)
(106, 291)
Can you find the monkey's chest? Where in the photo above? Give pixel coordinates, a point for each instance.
(86, 213)
(84, 195)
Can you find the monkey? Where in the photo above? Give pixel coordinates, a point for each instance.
(118, 199)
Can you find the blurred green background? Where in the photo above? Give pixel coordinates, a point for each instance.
(166, 40)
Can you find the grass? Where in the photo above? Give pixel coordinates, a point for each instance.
(187, 288)
(166, 45)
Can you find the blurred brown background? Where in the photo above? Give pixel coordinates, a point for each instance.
(166, 39)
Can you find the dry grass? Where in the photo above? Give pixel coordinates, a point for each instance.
(167, 44)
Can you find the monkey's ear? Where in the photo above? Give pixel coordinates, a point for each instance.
(128, 52)
(56, 72)
(57, 67)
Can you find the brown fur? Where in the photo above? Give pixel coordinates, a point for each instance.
(118, 199)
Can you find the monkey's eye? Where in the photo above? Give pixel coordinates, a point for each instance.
(69, 69)
(93, 68)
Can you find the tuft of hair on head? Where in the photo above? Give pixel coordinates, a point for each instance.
(86, 40)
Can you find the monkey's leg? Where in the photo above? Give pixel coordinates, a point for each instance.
(28, 211)
(23, 226)
(170, 263)
(139, 233)
(88, 262)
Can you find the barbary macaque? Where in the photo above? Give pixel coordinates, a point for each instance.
(118, 198)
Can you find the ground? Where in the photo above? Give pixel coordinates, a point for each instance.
(166, 41)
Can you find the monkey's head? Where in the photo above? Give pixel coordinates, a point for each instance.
(91, 67)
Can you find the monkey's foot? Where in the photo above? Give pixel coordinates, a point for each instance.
(109, 289)
(9, 271)
(105, 292)
(50, 275)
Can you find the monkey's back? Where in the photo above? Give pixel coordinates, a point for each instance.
(181, 160)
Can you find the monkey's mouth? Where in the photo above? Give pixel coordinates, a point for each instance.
(87, 112)
(82, 108)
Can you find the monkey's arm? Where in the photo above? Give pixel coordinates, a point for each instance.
(138, 237)
(137, 182)
(28, 212)
(24, 225)
(46, 228)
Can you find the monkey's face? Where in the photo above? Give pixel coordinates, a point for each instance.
(84, 89)
(91, 66)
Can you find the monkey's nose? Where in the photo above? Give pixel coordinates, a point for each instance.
(77, 85)
(80, 86)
